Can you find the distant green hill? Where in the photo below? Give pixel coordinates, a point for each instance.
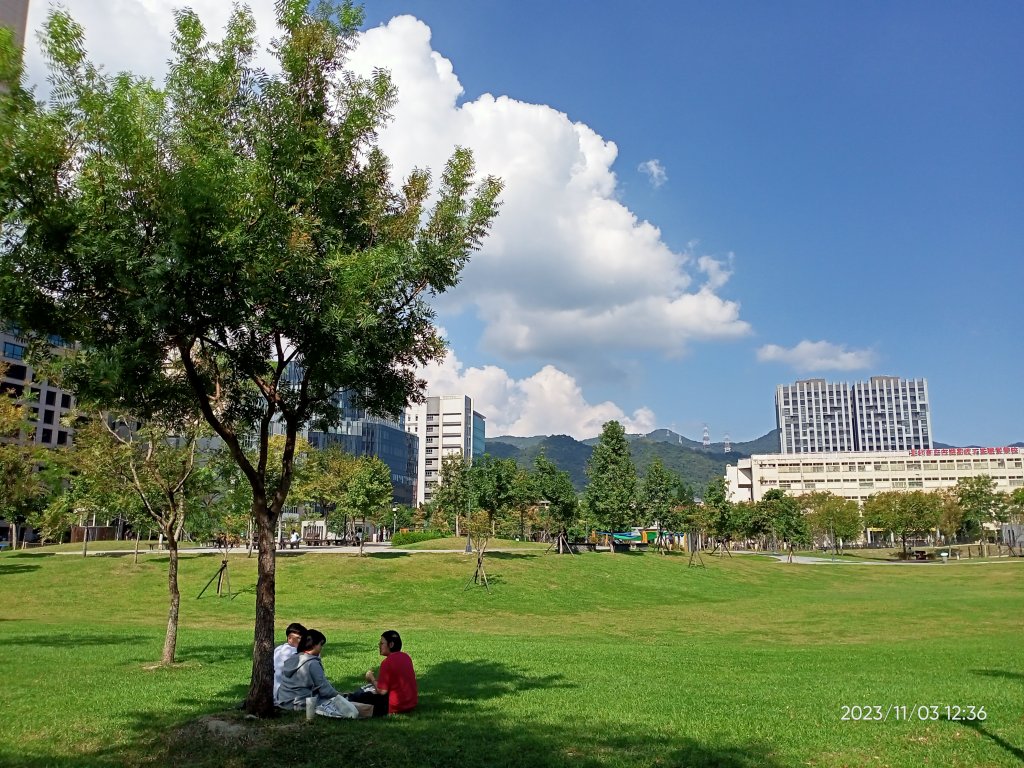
(685, 457)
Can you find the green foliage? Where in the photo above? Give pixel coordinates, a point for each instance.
(611, 496)
(830, 516)
(785, 518)
(903, 513)
(26, 482)
(980, 503)
(657, 496)
(401, 538)
(452, 493)
(370, 491)
(493, 486)
(555, 486)
(718, 510)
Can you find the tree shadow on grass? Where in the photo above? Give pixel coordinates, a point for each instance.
(7, 568)
(455, 684)
(999, 741)
(467, 717)
(30, 555)
(1003, 673)
(387, 555)
(75, 640)
(511, 555)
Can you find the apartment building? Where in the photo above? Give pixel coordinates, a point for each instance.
(885, 413)
(446, 425)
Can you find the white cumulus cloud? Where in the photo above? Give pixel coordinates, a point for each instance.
(654, 171)
(549, 402)
(818, 356)
(568, 273)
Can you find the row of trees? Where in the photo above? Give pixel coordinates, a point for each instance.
(172, 479)
(616, 499)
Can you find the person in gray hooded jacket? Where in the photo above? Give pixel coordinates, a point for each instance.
(302, 677)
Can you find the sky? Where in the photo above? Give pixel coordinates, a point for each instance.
(702, 200)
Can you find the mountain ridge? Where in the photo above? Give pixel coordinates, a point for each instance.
(687, 458)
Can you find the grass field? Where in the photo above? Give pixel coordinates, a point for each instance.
(594, 660)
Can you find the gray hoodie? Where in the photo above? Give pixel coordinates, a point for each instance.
(301, 676)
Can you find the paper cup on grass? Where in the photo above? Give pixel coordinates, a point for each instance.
(310, 707)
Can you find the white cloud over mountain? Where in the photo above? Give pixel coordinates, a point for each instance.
(549, 402)
(818, 356)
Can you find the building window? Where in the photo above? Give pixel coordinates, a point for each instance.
(14, 351)
(65, 401)
(47, 435)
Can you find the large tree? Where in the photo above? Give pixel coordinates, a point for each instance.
(657, 497)
(238, 223)
(981, 505)
(117, 463)
(452, 494)
(831, 517)
(611, 495)
(370, 492)
(903, 513)
(555, 486)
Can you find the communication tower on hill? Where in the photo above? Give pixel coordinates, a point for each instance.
(707, 438)
(728, 443)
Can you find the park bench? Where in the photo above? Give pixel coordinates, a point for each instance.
(920, 554)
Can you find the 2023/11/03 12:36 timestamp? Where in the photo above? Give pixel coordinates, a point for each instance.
(882, 712)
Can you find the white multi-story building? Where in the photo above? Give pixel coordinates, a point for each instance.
(885, 413)
(446, 425)
(857, 475)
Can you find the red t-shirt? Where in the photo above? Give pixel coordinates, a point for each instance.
(399, 680)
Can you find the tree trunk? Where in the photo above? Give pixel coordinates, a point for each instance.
(260, 700)
(136, 548)
(171, 638)
(13, 528)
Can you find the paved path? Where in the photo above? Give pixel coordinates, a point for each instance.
(368, 549)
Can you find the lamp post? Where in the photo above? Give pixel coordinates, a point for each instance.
(394, 519)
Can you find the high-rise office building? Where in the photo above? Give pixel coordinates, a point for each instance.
(363, 434)
(14, 14)
(360, 433)
(885, 413)
(446, 425)
(892, 414)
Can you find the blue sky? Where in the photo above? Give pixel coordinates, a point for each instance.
(705, 200)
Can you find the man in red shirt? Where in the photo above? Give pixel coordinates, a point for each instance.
(396, 689)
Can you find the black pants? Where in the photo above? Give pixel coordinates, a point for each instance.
(378, 700)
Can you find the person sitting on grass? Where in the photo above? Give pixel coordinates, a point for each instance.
(287, 649)
(394, 690)
(302, 677)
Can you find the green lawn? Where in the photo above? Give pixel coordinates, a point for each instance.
(593, 660)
